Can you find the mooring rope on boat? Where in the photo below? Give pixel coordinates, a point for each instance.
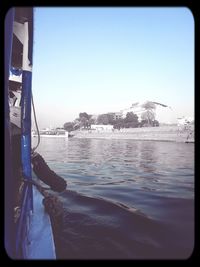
(36, 124)
(40, 188)
(52, 203)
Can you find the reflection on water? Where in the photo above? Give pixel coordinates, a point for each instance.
(126, 198)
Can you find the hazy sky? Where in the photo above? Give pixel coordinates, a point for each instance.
(99, 60)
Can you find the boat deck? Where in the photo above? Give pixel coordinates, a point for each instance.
(41, 245)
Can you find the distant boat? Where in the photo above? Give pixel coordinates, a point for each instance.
(55, 133)
(70, 135)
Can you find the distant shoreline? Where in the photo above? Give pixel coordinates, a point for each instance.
(162, 133)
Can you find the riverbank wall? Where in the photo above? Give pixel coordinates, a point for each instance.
(161, 133)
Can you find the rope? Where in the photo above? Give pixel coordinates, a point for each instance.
(40, 188)
(51, 202)
(38, 133)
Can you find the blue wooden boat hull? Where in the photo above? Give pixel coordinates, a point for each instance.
(33, 235)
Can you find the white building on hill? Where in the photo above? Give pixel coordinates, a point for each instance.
(185, 120)
(102, 127)
(137, 108)
(163, 113)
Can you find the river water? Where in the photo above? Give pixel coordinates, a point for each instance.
(126, 199)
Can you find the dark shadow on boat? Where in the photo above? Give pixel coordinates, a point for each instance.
(94, 228)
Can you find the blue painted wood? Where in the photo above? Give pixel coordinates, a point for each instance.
(40, 237)
(34, 236)
(26, 131)
(8, 175)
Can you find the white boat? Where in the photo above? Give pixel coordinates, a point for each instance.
(52, 133)
(30, 236)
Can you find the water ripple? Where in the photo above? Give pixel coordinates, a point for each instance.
(127, 199)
